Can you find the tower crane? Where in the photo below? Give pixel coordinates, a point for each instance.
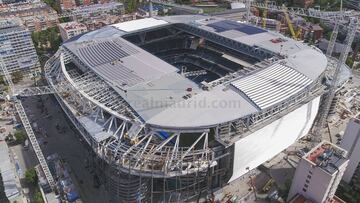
(26, 123)
(289, 23)
(264, 14)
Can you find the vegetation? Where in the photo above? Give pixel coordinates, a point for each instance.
(53, 4)
(2, 80)
(38, 197)
(346, 193)
(17, 76)
(284, 192)
(182, 1)
(349, 62)
(31, 177)
(65, 19)
(20, 136)
(3, 197)
(131, 5)
(47, 40)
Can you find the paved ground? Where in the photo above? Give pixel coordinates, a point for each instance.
(18, 157)
(46, 113)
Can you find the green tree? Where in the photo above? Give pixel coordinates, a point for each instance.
(349, 62)
(20, 136)
(38, 197)
(17, 76)
(131, 5)
(31, 177)
(2, 80)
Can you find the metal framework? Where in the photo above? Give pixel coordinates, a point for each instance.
(310, 12)
(30, 133)
(257, 52)
(126, 143)
(354, 23)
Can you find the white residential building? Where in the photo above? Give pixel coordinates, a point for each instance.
(71, 29)
(351, 143)
(17, 50)
(319, 173)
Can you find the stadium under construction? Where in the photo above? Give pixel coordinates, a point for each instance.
(177, 107)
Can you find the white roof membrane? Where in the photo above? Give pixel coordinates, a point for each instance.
(264, 144)
(140, 24)
(272, 85)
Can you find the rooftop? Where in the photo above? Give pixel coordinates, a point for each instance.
(97, 7)
(327, 156)
(158, 92)
(301, 199)
(72, 25)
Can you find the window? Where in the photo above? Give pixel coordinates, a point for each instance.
(307, 181)
(304, 189)
(306, 185)
(310, 172)
(309, 177)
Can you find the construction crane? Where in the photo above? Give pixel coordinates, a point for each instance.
(352, 28)
(26, 123)
(289, 23)
(264, 14)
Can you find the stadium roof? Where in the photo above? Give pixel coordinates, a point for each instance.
(163, 97)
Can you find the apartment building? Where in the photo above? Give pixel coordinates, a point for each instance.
(318, 174)
(36, 16)
(17, 49)
(71, 29)
(351, 143)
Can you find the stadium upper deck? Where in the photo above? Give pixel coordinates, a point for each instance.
(163, 98)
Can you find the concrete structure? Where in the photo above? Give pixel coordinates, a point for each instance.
(351, 143)
(164, 101)
(17, 49)
(338, 47)
(71, 29)
(95, 16)
(7, 171)
(308, 29)
(319, 173)
(36, 16)
(66, 4)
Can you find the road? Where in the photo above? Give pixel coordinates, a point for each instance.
(64, 140)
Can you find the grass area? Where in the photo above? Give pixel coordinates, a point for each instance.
(209, 10)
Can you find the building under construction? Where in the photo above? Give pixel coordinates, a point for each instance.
(177, 107)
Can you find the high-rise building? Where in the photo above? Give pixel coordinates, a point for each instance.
(318, 174)
(71, 29)
(351, 143)
(36, 16)
(67, 4)
(17, 49)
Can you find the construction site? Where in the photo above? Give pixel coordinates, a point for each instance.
(176, 108)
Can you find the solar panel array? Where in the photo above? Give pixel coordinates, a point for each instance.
(272, 85)
(105, 52)
(225, 25)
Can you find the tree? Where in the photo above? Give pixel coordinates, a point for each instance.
(349, 62)
(20, 136)
(38, 197)
(2, 80)
(131, 5)
(17, 76)
(31, 177)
